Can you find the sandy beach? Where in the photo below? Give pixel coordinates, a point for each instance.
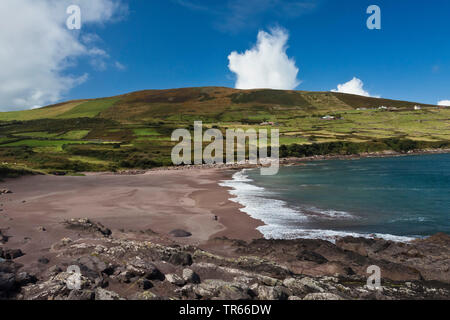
(160, 201)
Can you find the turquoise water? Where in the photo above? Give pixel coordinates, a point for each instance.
(397, 198)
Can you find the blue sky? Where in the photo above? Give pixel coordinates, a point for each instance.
(182, 43)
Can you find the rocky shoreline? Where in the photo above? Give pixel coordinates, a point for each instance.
(118, 265)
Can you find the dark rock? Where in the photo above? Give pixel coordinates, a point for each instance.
(81, 295)
(144, 284)
(24, 278)
(190, 276)
(312, 256)
(142, 268)
(178, 233)
(11, 254)
(43, 260)
(91, 266)
(88, 226)
(3, 238)
(181, 258)
(7, 281)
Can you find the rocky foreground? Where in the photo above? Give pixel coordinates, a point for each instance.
(148, 266)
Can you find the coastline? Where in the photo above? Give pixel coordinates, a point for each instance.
(140, 210)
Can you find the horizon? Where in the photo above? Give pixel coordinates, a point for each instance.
(128, 46)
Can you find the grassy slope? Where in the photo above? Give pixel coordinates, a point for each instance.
(133, 130)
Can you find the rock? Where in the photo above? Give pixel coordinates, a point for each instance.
(11, 254)
(222, 290)
(142, 268)
(294, 298)
(312, 256)
(144, 284)
(91, 266)
(190, 276)
(181, 258)
(54, 270)
(147, 295)
(3, 238)
(102, 294)
(43, 260)
(7, 281)
(5, 191)
(272, 293)
(87, 225)
(296, 286)
(82, 295)
(175, 279)
(24, 278)
(311, 284)
(322, 296)
(178, 233)
(41, 229)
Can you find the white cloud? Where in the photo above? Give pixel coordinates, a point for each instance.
(36, 48)
(445, 103)
(266, 65)
(354, 86)
(120, 66)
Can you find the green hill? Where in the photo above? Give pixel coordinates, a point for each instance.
(133, 130)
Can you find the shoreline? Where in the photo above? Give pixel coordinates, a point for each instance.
(283, 162)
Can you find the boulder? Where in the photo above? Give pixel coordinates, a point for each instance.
(11, 254)
(190, 276)
(175, 279)
(144, 284)
(24, 278)
(104, 295)
(7, 281)
(297, 287)
(142, 268)
(273, 293)
(181, 258)
(81, 295)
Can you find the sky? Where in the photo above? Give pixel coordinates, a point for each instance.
(317, 45)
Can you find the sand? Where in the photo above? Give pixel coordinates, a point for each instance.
(160, 201)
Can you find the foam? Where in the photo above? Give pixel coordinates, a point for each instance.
(261, 204)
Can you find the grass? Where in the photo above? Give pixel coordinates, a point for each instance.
(134, 130)
(89, 109)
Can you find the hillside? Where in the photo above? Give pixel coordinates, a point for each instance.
(133, 130)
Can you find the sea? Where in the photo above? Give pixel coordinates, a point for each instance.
(396, 198)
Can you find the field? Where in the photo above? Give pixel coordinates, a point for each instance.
(134, 130)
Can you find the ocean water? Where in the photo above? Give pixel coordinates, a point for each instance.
(398, 198)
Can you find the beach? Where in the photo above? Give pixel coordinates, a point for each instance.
(157, 201)
(123, 232)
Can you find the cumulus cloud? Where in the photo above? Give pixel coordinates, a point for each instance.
(37, 48)
(445, 103)
(354, 86)
(266, 65)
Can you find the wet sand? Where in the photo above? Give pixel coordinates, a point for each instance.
(160, 201)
